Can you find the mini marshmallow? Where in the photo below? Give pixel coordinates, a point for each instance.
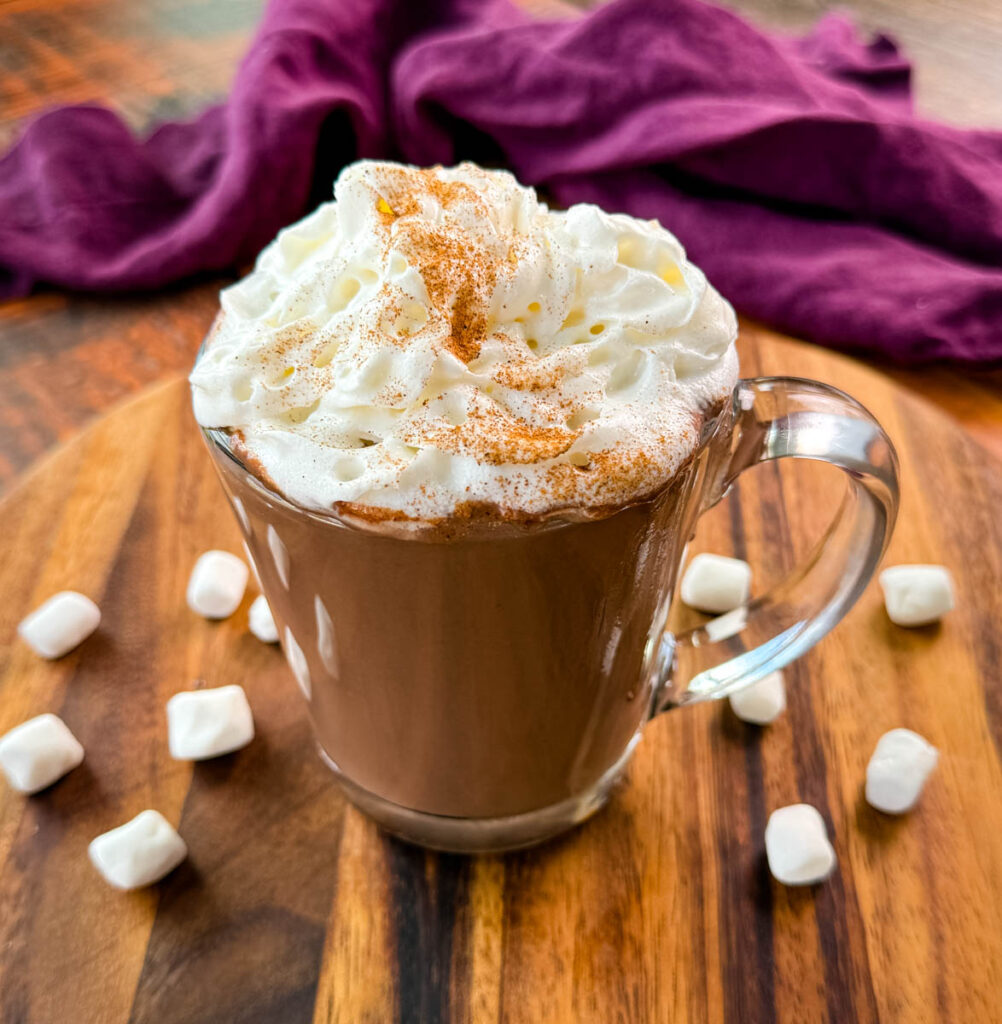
(898, 769)
(208, 723)
(713, 583)
(797, 846)
(37, 752)
(916, 595)
(262, 622)
(727, 625)
(217, 584)
(762, 702)
(138, 853)
(60, 624)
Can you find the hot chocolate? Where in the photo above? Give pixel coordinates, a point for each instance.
(465, 438)
(475, 669)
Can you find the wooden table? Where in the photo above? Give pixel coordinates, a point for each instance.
(65, 360)
(293, 908)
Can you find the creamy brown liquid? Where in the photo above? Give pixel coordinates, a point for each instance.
(487, 672)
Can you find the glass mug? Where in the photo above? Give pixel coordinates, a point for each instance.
(484, 690)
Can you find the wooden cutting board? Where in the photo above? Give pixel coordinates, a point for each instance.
(293, 908)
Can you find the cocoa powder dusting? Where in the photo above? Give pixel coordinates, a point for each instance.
(459, 275)
(496, 437)
(372, 513)
(459, 278)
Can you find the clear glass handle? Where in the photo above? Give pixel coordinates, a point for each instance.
(779, 418)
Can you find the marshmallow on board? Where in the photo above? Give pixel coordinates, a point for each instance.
(898, 769)
(36, 753)
(208, 723)
(761, 702)
(58, 625)
(217, 584)
(138, 853)
(797, 846)
(714, 583)
(917, 595)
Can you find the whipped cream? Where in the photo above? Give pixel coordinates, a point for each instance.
(438, 340)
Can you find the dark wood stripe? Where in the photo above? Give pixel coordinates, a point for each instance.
(746, 954)
(698, 856)
(836, 909)
(409, 900)
(745, 907)
(835, 900)
(452, 874)
(425, 890)
(759, 889)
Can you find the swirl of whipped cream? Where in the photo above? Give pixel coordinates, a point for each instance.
(437, 340)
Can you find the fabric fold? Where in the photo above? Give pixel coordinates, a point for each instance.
(792, 169)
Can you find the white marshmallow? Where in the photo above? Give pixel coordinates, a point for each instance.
(797, 846)
(713, 583)
(727, 625)
(262, 622)
(898, 769)
(217, 584)
(208, 723)
(138, 853)
(762, 702)
(916, 595)
(37, 752)
(60, 624)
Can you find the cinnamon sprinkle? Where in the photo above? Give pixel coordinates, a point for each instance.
(460, 276)
(498, 438)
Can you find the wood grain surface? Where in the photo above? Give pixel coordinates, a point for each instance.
(293, 908)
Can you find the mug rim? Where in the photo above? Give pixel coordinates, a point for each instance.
(446, 527)
(219, 439)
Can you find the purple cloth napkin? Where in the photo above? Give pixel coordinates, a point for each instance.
(793, 170)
